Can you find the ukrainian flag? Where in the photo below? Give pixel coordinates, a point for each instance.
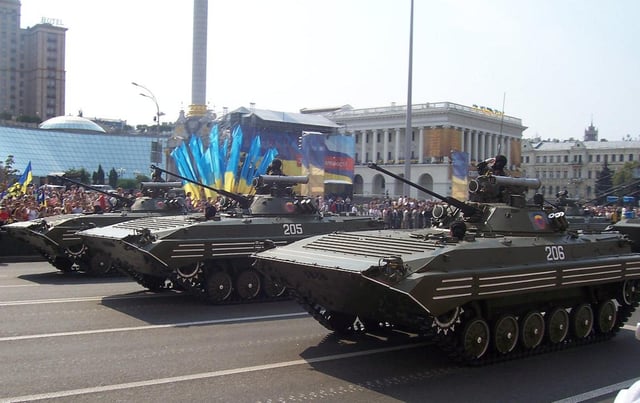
(24, 181)
(459, 175)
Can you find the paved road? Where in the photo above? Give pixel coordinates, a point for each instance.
(75, 339)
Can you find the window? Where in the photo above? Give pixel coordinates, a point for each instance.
(630, 157)
(598, 158)
(613, 158)
(544, 159)
(566, 158)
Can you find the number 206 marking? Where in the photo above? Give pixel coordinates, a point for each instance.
(292, 229)
(554, 253)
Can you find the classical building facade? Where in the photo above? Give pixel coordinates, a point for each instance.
(438, 129)
(575, 165)
(32, 66)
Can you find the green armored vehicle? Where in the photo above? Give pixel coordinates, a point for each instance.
(210, 256)
(497, 278)
(56, 237)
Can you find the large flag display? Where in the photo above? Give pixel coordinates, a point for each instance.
(459, 175)
(232, 159)
(222, 164)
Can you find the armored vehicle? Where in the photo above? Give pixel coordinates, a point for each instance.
(56, 238)
(631, 228)
(210, 256)
(496, 278)
(579, 217)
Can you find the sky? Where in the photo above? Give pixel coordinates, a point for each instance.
(556, 64)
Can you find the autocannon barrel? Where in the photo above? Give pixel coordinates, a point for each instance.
(530, 183)
(243, 201)
(283, 180)
(161, 185)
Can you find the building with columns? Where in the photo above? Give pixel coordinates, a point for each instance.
(438, 129)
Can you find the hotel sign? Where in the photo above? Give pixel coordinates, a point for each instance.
(51, 21)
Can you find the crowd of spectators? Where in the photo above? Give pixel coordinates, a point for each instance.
(403, 212)
(49, 201)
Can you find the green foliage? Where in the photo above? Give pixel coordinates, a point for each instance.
(624, 175)
(113, 178)
(79, 175)
(128, 184)
(7, 172)
(28, 119)
(98, 176)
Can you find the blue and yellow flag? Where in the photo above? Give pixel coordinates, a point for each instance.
(459, 175)
(21, 185)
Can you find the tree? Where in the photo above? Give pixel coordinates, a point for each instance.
(113, 178)
(98, 176)
(624, 175)
(79, 175)
(7, 172)
(604, 182)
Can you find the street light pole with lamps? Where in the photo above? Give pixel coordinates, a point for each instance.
(155, 101)
(156, 149)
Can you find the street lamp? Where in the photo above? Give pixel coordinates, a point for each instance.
(156, 148)
(155, 101)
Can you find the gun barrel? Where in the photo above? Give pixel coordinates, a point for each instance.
(530, 183)
(466, 209)
(284, 180)
(244, 202)
(128, 202)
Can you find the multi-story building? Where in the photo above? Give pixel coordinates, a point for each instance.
(574, 165)
(32, 66)
(438, 129)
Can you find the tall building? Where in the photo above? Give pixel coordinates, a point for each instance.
(32, 66)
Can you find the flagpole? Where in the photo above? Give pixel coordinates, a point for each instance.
(408, 129)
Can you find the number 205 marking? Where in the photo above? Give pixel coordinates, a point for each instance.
(292, 229)
(554, 253)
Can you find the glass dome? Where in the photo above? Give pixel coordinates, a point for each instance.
(71, 123)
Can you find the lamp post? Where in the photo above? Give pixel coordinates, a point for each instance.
(155, 101)
(156, 148)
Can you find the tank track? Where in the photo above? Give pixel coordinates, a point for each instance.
(148, 282)
(195, 286)
(449, 342)
(451, 345)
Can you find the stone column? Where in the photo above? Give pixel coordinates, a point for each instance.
(474, 148)
(374, 145)
(421, 145)
(396, 150)
(363, 147)
(385, 146)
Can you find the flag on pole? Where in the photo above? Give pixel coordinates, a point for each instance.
(25, 179)
(459, 175)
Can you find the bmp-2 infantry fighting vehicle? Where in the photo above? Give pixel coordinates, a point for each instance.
(210, 256)
(56, 237)
(503, 279)
(578, 216)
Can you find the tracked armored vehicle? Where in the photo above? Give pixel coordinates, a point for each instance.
(578, 217)
(631, 228)
(56, 237)
(495, 279)
(210, 257)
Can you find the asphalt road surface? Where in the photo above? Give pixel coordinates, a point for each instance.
(71, 338)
